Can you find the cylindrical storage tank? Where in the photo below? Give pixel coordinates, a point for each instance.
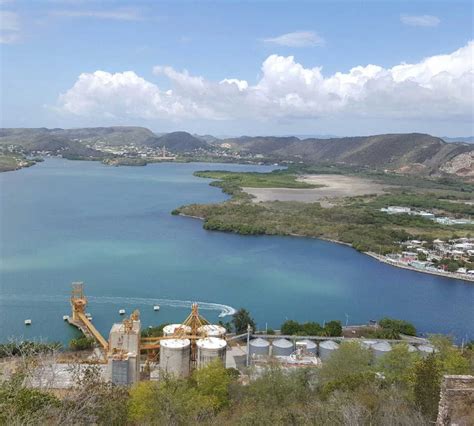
(282, 347)
(171, 329)
(380, 349)
(426, 350)
(367, 344)
(210, 349)
(175, 356)
(311, 348)
(326, 349)
(212, 330)
(259, 347)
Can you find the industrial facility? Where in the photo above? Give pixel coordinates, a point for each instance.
(127, 357)
(183, 347)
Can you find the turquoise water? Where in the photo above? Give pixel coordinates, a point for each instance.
(65, 221)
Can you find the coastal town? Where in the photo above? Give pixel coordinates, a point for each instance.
(453, 258)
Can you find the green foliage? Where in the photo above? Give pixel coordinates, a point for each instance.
(227, 325)
(294, 328)
(212, 381)
(398, 326)
(333, 328)
(180, 401)
(23, 404)
(154, 331)
(357, 221)
(349, 361)
(241, 320)
(426, 388)
(81, 343)
(450, 358)
(398, 365)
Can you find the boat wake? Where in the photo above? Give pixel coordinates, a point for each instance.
(224, 310)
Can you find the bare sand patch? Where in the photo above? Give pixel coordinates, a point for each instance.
(335, 187)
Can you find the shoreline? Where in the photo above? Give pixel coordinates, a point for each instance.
(375, 256)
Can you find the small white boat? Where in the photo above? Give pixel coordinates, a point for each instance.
(122, 312)
(65, 317)
(156, 307)
(27, 322)
(88, 316)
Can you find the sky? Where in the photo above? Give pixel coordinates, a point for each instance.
(239, 67)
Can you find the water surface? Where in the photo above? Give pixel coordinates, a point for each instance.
(63, 221)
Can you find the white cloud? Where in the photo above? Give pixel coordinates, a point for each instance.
(438, 87)
(297, 39)
(117, 14)
(9, 27)
(420, 20)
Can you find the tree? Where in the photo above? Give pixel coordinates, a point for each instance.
(212, 382)
(333, 328)
(426, 386)
(156, 331)
(349, 360)
(398, 326)
(241, 320)
(290, 328)
(451, 358)
(81, 343)
(397, 365)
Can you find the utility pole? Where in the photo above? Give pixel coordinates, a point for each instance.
(248, 345)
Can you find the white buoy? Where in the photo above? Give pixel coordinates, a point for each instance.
(122, 312)
(156, 307)
(27, 322)
(65, 317)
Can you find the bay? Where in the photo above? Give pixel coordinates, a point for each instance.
(63, 221)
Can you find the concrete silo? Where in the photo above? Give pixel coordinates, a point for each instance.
(282, 347)
(380, 349)
(175, 356)
(259, 347)
(210, 349)
(326, 349)
(171, 329)
(212, 330)
(426, 350)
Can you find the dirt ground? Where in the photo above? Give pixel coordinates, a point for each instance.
(335, 187)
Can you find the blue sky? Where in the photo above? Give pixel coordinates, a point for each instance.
(47, 45)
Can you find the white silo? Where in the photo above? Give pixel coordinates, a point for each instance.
(282, 347)
(258, 347)
(171, 329)
(308, 346)
(175, 356)
(367, 344)
(210, 349)
(426, 350)
(212, 330)
(326, 349)
(380, 349)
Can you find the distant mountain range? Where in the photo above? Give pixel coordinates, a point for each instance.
(409, 153)
(467, 139)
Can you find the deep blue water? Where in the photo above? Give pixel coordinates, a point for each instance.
(64, 221)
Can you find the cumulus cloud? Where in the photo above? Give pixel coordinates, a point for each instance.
(9, 27)
(116, 14)
(297, 39)
(436, 87)
(420, 20)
